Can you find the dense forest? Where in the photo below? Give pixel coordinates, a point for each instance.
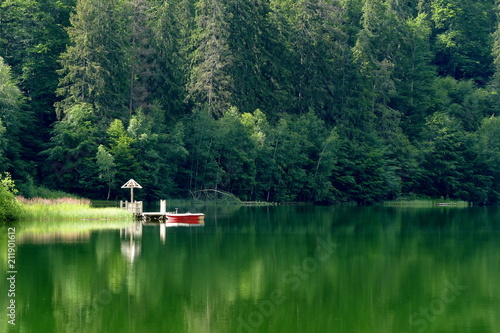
(280, 100)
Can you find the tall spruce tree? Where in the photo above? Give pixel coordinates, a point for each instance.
(415, 75)
(258, 57)
(94, 65)
(141, 54)
(171, 23)
(318, 46)
(376, 53)
(210, 80)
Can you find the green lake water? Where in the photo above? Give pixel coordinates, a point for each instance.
(265, 269)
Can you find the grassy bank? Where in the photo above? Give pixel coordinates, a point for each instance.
(68, 209)
(426, 203)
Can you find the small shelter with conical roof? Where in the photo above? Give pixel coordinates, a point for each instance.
(131, 184)
(133, 206)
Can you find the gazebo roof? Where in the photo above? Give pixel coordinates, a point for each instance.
(131, 184)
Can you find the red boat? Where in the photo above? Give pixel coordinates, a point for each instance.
(185, 219)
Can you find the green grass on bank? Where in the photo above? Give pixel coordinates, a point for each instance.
(68, 209)
(426, 203)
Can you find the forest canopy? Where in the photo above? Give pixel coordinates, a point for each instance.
(278, 100)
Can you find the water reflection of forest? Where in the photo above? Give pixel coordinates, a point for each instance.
(387, 265)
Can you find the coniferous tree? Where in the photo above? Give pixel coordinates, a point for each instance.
(258, 57)
(210, 80)
(142, 55)
(489, 153)
(171, 25)
(365, 173)
(318, 45)
(94, 66)
(353, 12)
(11, 121)
(32, 36)
(376, 53)
(415, 76)
(448, 171)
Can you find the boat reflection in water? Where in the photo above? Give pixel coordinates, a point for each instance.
(131, 237)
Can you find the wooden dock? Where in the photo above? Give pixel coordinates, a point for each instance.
(170, 218)
(160, 216)
(136, 208)
(156, 216)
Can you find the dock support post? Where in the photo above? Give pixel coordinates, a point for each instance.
(163, 206)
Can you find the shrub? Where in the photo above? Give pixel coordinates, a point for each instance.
(10, 208)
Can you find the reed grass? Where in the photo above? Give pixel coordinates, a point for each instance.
(54, 201)
(72, 209)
